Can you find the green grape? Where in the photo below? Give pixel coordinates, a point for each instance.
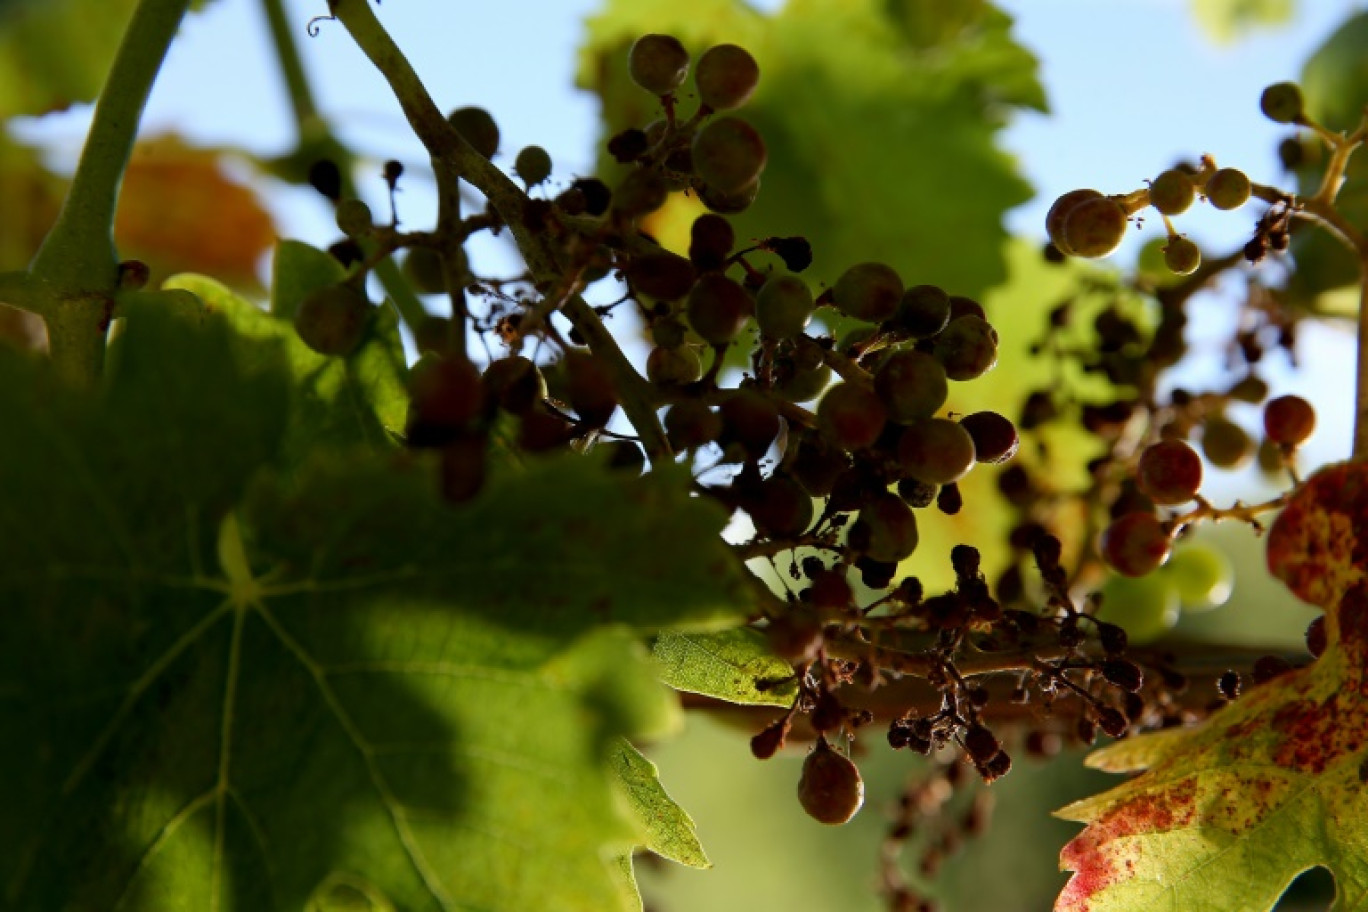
(1059, 211)
(1282, 102)
(726, 77)
(718, 308)
(1172, 192)
(923, 311)
(803, 384)
(332, 320)
(477, 127)
(1225, 444)
(354, 218)
(968, 347)
(1201, 575)
(912, 385)
(533, 165)
(783, 307)
(936, 451)
(868, 291)
(1182, 256)
(1094, 227)
(729, 154)
(891, 526)
(658, 63)
(1145, 607)
(1228, 188)
(673, 366)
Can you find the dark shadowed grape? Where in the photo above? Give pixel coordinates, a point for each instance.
(726, 77)
(868, 291)
(658, 63)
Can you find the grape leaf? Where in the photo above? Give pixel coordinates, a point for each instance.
(243, 690)
(880, 120)
(733, 665)
(349, 401)
(665, 827)
(1228, 813)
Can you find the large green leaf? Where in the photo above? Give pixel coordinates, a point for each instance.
(880, 117)
(325, 689)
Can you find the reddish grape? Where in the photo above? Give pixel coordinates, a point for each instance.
(664, 276)
(589, 388)
(750, 419)
(690, 424)
(718, 308)
(967, 347)
(1136, 544)
(830, 790)
(851, 416)
(1289, 420)
(1170, 472)
(912, 385)
(780, 508)
(710, 241)
(995, 437)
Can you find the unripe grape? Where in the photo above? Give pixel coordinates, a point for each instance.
(923, 311)
(673, 366)
(728, 154)
(1181, 255)
(1059, 211)
(515, 383)
(868, 291)
(780, 508)
(830, 789)
(1282, 102)
(658, 63)
(967, 347)
(477, 127)
(669, 332)
(1172, 192)
(891, 526)
(1202, 576)
(1169, 472)
(750, 419)
(1228, 188)
(332, 320)
(726, 77)
(783, 307)
(1135, 544)
(1095, 228)
(354, 218)
(936, 451)
(995, 437)
(803, 384)
(1225, 444)
(851, 416)
(691, 424)
(533, 165)
(912, 385)
(731, 203)
(1145, 608)
(1289, 420)
(718, 308)
(664, 276)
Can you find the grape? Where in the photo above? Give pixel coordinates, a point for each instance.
(1228, 188)
(1059, 211)
(445, 395)
(658, 63)
(711, 238)
(354, 218)
(1170, 472)
(960, 306)
(673, 366)
(1146, 608)
(868, 291)
(326, 178)
(1182, 256)
(629, 145)
(995, 437)
(830, 789)
(803, 385)
(595, 192)
(515, 384)
(912, 385)
(641, 192)
(917, 494)
(967, 347)
(589, 388)
(718, 308)
(936, 451)
(664, 276)
(533, 165)
(726, 77)
(817, 465)
(851, 416)
(1135, 544)
(892, 528)
(1282, 102)
(332, 320)
(477, 127)
(1172, 192)
(728, 154)
(749, 419)
(949, 500)
(729, 203)
(1289, 420)
(1225, 444)
(780, 508)
(783, 307)
(691, 424)
(1201, 575)
(923, 311)
(1094, 228)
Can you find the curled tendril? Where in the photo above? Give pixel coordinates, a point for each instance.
(313, 28)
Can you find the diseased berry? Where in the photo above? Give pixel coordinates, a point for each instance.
(1228, 188)
(477, 127)
(1123, 673)
(830, 789)
(1172, 192)
(658, 63)
(332, 320)
(729, 155)
(726, 77)
(768, 742)
(1282, 102)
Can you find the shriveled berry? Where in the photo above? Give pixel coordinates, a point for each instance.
(830, 789)
(981, 744)
(769, 741)
(1123, 673)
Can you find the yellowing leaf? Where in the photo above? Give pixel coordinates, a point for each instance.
(1227, 814)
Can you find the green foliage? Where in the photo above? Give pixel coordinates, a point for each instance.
(1227, 20)
(732, 665)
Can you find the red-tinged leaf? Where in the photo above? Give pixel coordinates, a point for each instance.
(179, 212)
(1227, 814)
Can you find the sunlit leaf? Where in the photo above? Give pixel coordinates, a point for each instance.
(732, 665)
